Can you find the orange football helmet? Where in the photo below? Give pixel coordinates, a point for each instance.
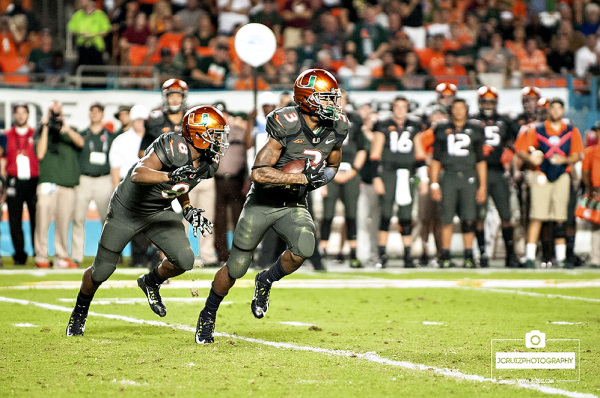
(488, 100)
(206, 129)
(316, 92)
(446, 93)
(174, 86)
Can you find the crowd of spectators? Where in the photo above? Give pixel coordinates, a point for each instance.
(376, 45)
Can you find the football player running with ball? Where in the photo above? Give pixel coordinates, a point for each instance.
(314, 131)
(172, 166)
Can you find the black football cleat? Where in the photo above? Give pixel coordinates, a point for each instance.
(381, 261)
(153, 295)
(409, 262)
(205, 329)
(260, 300)
(484, 262)
(76, 325)
(512, 261)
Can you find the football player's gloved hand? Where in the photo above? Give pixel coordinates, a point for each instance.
(198, 222)
(183, 174)
(318, 175)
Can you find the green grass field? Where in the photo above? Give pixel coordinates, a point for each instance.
(371, 333)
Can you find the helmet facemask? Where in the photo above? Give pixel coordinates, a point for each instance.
(327, 106)
(174, 109)
(488, 106)
(214, 141)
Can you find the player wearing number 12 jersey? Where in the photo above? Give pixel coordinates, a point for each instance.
(313, 130)
(172, 166)
(458, 150)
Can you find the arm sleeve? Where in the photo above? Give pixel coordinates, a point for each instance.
(161, 148)
(438, 148)
(586, 164)
(576, 142)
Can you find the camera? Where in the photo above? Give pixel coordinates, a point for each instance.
(535, 339)
(55, 121)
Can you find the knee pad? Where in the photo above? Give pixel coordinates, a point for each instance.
(406, 226)
(560, 230)
(184, 260)
(305, 246)
(104, 264)
(384, 224)
(326, 228)
(351, 228)
(468, 226)
(239, 261)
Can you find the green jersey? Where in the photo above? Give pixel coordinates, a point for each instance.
(399, 149)
(288, 127)
(459, 149)
(93, 158)
(173, 152)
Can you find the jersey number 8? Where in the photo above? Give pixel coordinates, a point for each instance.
(175, 191)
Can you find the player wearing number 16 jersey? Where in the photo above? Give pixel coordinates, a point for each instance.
(313, 130)
(498, 155)
(458, 150)
(172, 166)
(393, 147)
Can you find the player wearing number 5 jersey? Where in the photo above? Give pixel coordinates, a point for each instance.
(394, 155)
(172, 166)
(498, 155)
(458, 150)
(313, 130)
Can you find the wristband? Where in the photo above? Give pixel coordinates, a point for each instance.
(434, 185)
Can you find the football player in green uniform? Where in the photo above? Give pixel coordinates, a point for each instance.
(314, 130)
(172, 166)
(458, 150)
(393, 147)
(174, 95)
(498, 155)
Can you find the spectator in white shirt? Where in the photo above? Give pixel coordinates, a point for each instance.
(586, 56)
(124, 151)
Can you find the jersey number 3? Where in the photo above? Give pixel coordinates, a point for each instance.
(175, 191)
(458, 144)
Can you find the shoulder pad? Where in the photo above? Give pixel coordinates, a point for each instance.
(171, 149)
(282, 122)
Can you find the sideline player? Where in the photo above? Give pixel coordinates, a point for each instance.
(498, 156)
(458, 149)
(174, 94)
(314, 130)
(393, 146)
(172, 166)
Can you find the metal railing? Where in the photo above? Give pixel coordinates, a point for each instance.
(114, 77)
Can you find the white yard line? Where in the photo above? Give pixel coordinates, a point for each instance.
(372, 283)
(566, 323)
(533, 294)
(369, 356)
(131, 300)
(294, 323)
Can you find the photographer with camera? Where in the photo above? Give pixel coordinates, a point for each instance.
(57, 147)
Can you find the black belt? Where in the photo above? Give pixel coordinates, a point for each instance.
(280, 203)
(95, 175)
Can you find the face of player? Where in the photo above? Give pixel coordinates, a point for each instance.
(446, 99)
(174, 100)
(459, 111)
(488, 106)
(21, 116)
(96, 115)
(530, 104)
(556, 112)
(400, 109)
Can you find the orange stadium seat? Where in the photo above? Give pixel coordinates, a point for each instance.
(11, 64)
(137, 55)
(170, 40)
(205, 51)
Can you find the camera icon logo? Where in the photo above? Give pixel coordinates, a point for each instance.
(535, 339)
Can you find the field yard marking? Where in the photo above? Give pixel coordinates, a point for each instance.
(25, 325)
(296, 323)
(369, 356)
(432, 323)
(373, 283)
(138, 300)
(566, 323)
(533, 294)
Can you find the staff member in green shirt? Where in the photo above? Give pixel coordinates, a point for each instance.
(95, 181)
(57, 147)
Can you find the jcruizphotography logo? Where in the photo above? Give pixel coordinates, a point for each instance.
(539, 359)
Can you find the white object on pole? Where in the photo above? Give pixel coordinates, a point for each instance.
(255, 44)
